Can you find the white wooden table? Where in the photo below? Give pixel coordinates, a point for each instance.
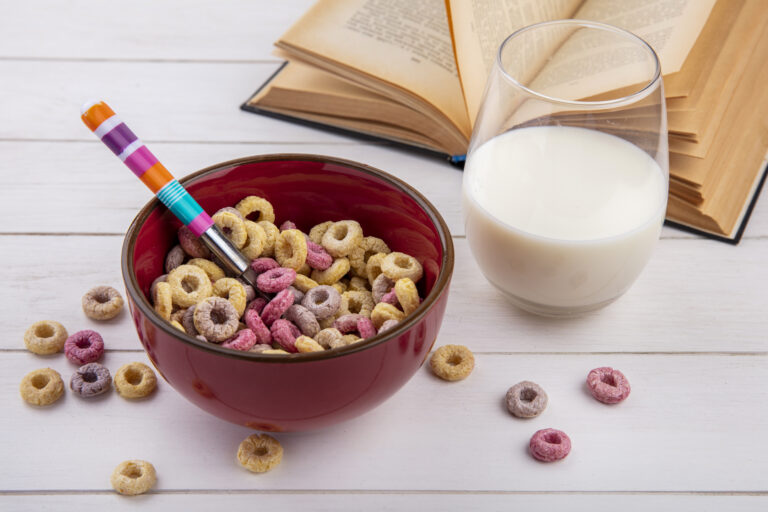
(691, 335)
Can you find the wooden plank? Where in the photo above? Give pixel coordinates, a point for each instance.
(166, 101)
(150, 30)
(689, 425)
(672, 308)
(94, 177)
(334, 502)
(96, 181)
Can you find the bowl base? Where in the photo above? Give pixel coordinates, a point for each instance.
(553, 311)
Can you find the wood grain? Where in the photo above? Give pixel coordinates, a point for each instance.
(432, 435)
(665, 311)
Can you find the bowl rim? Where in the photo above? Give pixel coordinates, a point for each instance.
(439, 288)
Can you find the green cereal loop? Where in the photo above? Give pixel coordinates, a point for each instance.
(45, 337)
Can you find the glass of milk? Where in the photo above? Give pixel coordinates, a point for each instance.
(566, 178)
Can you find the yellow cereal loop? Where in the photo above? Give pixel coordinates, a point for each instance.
(317, 232)
(383, 312)
(177, 325)
(45, 337)
(359, 284)
(349, 339)
(255, 204)
(327, 323)
(304, 283)
(342, 237)
(360, 303)
(232, 290)
(232, 226)
(135, 380)
(272, 233)
(41, 387)
(373, 267)
(189, 285)
(370, 245)
(259, 452)
(214, 271)
(336, 271)
(452, 362)
(257, 239)
(407, 295)
(306, 344)
(305, 270)
(274, 351)
(291, 249)
(133, 477)
(338, 287)
(163, 300)
(397, 265)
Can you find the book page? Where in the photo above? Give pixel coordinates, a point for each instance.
(403, 43)
(480, 26)
(669, 26)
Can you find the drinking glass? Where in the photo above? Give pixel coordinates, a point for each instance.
(566, 179)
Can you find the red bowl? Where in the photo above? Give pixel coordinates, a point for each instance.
(300, 391)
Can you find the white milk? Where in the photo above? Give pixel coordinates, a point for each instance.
(562, 219)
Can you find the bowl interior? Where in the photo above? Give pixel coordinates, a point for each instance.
(306, 190)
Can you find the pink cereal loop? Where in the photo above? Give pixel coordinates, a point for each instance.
(277, 307)
(317, 257)
(287, 225)
(285, 334)
(608, 385)
(549, 445)
(347, 323)
(390, 298)
(256, 325)
(260, 265)
(365, 328)
(258, 304)
(242, 340)
(84, 347)
(275, 279)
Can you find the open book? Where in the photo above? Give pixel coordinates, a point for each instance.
(414, 73)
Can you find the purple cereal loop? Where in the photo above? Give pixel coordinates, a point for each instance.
(608, 385)
(90, 380)
(323, 301)
(365, 328)
(381, 286)
(275, 279)
(192, 245)
(304, 320)
(347, 323)
(298, 295)
(216, 319)
(255, 324)
(260, 265)
(287, 225)
(175, 258)
(549, 444)
(153, 286)
(84, 347)
(276, 307)
(390, 297)
(317, 256)
(285, 334)
(388, 324)
(250, 291)
(242, 340)
(187, 321)
(258, 304)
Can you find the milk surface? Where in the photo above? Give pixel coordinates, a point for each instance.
(562, 218)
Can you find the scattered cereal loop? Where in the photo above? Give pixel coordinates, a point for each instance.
(608, 385)
(452, 362)
(526, 399)
(133, 477)
(84, 346)
(41, 387)
(135, 380)
(90, 380)
(102, 303)
(549, 445)
(260, 452)
(45, 337)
